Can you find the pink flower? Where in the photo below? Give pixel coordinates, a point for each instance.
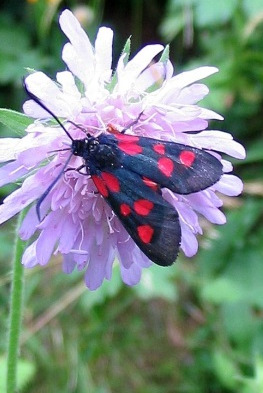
(78, 223)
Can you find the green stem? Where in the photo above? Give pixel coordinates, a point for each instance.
(15, 316)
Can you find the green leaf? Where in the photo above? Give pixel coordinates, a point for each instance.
(126, 51)
(16, 121)
(165, 55)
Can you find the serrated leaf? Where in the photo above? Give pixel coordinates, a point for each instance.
(15, 121)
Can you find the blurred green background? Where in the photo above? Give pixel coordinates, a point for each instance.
(196, 327)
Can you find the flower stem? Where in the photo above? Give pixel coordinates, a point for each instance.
(15, 315)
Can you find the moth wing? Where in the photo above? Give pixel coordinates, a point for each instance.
(181, 168)
(150, 220)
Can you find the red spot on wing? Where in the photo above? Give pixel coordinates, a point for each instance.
(150, 183)
(159, 148)
(125, 209)
(127, 138)
(100, 185)
(145, 233)
(166, 166)
(111, 181)
(143, 207)
(130, 148)
(187, 157)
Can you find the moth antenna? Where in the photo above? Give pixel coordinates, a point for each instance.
(43, 196)
(82, 128)
(58, 150)
(40, 103)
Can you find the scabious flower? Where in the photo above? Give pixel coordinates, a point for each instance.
(77, 222)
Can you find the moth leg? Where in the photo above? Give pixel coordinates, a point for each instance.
(77, 169)
(132, 123)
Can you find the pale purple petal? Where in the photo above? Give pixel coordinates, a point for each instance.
(132, 275)
(21, 198)
(79, 54)
(227, 166)
(203, 203)
(29, 224)
(98, 268)
(210, 115)
(68, 84)
(230, 185)
(135, 66)
(52, 227)
(189, 244)
(103, 54)
(9, 173)
(9, 148)
(68, 264)
(154, 74)
(77, 36)
(29, 259)
(188, 77)
(191, 94)
(68, 235)
(63, 105)
(219, 141)
(125, 253)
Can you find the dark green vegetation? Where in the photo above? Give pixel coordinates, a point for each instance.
(196, 327)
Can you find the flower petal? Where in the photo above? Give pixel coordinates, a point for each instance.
(9, 173)
(9, 148)
(219, 141)
(131, 275)
(30, 190)
(229, 185)
(103, 54)
(29, 259)
(127, 77)
(98, 268)
(188, 77)
(79, 55)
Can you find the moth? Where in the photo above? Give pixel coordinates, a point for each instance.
(130, 172)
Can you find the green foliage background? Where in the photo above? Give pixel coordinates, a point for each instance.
(196, 327)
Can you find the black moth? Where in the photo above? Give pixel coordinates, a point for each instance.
(130, 171)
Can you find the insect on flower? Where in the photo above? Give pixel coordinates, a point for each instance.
(129, 167)
(130, 171)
